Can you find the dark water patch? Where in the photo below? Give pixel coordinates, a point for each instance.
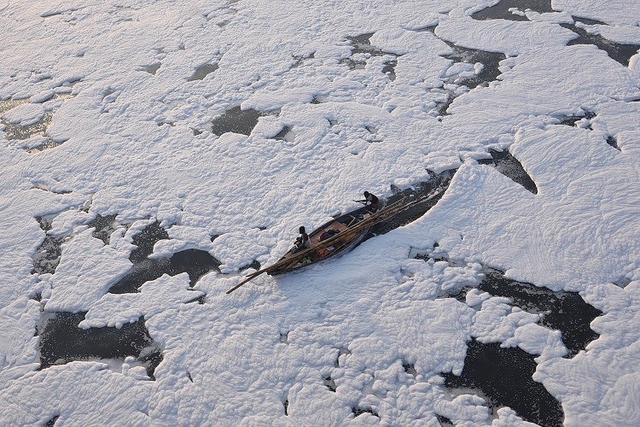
(613, 142)
(285, 405)
(504, 375)
(47, 256)
(236, 120)
(389, 68)
(36, 296)
(329, 383)
(299, 59)
(444, 421)
(202, 299)
(202, 71)
(501, 10)
(573, 119)
(150, 357)
(409, 368)
(621, 281)
(361, 44)
(353, 64)
(489, 60)
(255, 264)
(196, 263)
(17, 132)
(490, 71)
(563, 311)
(620, 52)
(103, 226)
(151, 68)
(509, 166)
(359, 410)
(425, 29)
(284, 337)
(145, 240)
(44, 223)
(189, 376)
(52, 421)
(443, 106)
(588, 21)
(435, 187)
(45, 188)
(286, 134)
(62, 341)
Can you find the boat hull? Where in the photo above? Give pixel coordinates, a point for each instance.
(336, 225)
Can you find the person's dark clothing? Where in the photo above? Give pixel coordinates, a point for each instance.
(302, 242)
(372, 201)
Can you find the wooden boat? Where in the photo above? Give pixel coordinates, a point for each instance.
(330, 229)
(335, 237)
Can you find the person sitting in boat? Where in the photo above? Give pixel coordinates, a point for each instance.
(302, 242)
(372, 201)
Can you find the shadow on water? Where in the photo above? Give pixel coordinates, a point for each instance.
(504, 375)
(436, 187)
(501, 10)
(194, 262)
(62, 341)
(236, 120)
(510, 167)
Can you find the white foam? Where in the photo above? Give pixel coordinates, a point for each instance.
(128, 148)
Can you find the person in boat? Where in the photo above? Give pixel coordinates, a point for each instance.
(372, 201)
(302, 242)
